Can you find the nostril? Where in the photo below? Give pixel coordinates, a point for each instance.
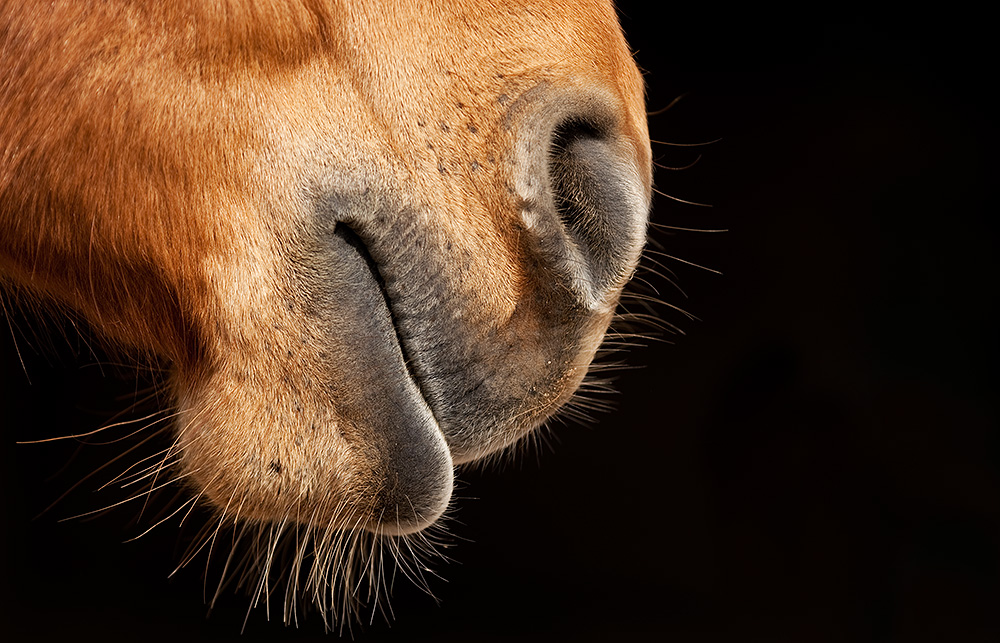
(569, 144)
(599, 201)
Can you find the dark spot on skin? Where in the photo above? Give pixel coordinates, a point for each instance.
(298, 439)
(474, 166)
(430, 145)
(502, 99)
(492, 160)
(499, 75)
(473, 129)
(276, 467)
(441, 167)
(289, 353)
(297, 406)
(460, 105)
(444, 127)
(421, 122)
(449, 245)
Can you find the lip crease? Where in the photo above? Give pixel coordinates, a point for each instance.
(351, 237)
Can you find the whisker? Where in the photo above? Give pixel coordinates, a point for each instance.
(190, 501)
(679, 200)
(690, 263)
(663, 110)
(713, 142)
(95, 431)
(122, 502)
(663, 226)
(98, 470)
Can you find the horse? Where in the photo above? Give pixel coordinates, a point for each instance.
(373, 241)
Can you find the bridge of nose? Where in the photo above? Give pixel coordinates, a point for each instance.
(445, 104)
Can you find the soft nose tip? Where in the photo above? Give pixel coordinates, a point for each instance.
(416, 483)
(409, 508)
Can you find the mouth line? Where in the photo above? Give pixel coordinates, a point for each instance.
(352, 238)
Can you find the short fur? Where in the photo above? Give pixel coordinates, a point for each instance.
(372, 239)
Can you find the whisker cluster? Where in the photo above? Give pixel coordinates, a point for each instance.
(287, 566)
(340, 572)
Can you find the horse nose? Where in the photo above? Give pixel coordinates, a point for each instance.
(584, 185)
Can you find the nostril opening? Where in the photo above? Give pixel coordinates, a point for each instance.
(575, 127)
(568, 140)
(598, 200)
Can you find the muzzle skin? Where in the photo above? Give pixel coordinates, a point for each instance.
(373, 240)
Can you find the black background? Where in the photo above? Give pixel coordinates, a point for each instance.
(815, 460)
